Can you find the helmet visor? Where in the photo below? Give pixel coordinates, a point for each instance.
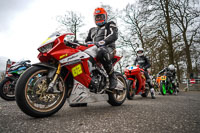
(139, 52)
(99, 17)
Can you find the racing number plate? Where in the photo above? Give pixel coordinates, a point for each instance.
(77, 70)
(163, 77)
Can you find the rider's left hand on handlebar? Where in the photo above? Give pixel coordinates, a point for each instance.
(101, 43)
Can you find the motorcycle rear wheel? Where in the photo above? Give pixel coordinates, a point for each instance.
(171, 90)
(5, 87)
(145, 94)
(115, 98)
(31, 95)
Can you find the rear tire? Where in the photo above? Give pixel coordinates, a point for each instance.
(116, 99)
(146, 92)
(31, 96)
(6, 83)
(171, 90)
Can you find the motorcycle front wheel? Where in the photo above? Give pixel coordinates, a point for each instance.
(7, 91)
(163, 89)
(32, 97)
(117, 98)
(130, 90)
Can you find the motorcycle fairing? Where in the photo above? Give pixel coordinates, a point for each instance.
(139, 74)
(81, 94)
(76, 56)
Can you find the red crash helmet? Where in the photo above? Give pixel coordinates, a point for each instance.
(100, 16)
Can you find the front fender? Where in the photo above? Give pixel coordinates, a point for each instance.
(52, 69)
(47, 65)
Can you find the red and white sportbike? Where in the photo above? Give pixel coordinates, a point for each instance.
(67, 71)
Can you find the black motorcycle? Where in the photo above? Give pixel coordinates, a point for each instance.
(7, 85)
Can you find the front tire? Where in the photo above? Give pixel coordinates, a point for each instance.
(31, 95)
(7, 92)
(130, 91)
(117, 98)
(163, 89)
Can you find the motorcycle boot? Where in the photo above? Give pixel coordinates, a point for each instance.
(112, 77)
(152, 89)
(152, 93)
(113, 81)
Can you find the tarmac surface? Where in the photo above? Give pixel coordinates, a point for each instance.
(165, 114)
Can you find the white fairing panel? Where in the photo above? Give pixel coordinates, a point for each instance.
(92, 51)
(81, 94)
(79, 55)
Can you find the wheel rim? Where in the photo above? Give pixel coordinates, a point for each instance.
(36, 96)
(7, 90)
(122, 95)
(163, 89)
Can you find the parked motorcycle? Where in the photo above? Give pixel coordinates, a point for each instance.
(136, 82)
(67, 71)
(7, 85)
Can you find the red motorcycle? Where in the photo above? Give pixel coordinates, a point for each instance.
(67, 71)
(136, 82)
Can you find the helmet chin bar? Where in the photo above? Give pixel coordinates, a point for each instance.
(100, 23)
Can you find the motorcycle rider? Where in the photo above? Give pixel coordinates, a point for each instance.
(104, 36)
(143, 62)
(171, 73)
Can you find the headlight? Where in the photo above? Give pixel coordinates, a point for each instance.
(46, 48)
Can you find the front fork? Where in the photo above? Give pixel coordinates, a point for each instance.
(52, 83)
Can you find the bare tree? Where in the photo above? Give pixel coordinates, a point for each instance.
(112, 14)
(135, 23)
(142, 30)
(160, 12)
(186, 18)
(72, 21)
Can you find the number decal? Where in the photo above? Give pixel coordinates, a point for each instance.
(163, 77)
(77, 70)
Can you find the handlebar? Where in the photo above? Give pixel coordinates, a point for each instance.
(75, 43)
(86, 45)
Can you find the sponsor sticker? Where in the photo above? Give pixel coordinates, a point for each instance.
(62, 56)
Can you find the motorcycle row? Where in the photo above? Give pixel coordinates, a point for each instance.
(68, 71)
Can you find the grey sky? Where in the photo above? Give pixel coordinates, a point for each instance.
(25, 24)
(9, 9)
